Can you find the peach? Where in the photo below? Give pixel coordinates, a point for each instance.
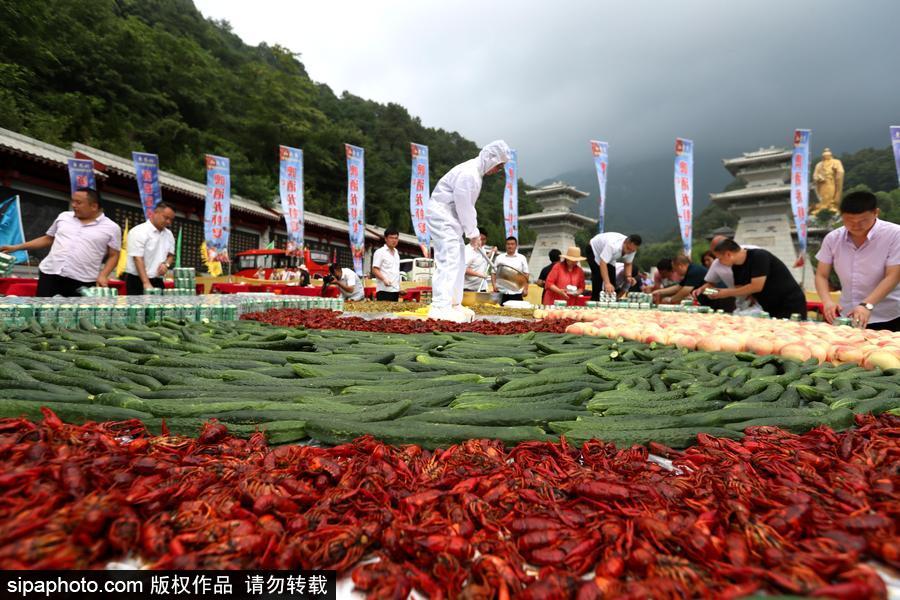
(796, 350)
(879, 358)
(576, 328)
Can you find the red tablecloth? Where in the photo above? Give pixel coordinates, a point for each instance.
(25, 286)
(296, 290)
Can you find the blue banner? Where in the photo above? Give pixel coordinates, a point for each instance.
(800, 184)
(600, 150)
(684, 190)
(81, 174)
(291, 187)
(356, 204)
(418, 194)
(217, 218)
(511, 196)
(146, 171)
(895, 142)
(11, 232)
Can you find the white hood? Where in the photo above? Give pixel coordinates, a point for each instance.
(495, 153)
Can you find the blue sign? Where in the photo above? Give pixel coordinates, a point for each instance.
(600, 150)
(895, 142)
(356, 204)
(800, 184)
(11, 233)
(684, 190)
(418, 194)
(291, 188)
(81, 174)
(511, 196)
(146, 171)
(217, 218)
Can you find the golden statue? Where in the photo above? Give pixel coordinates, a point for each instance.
(829, 181)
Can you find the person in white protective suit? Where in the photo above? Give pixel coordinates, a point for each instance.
(450, 215)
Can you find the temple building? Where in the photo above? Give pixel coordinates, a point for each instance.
(763, 207)
(556, 225)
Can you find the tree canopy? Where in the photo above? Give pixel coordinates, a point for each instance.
(156, 76)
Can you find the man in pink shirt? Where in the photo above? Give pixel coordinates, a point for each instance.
(865, 253)
(84, 247)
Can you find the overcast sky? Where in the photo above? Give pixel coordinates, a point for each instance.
(549, 76)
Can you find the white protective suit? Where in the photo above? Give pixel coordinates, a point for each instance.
(450, 215)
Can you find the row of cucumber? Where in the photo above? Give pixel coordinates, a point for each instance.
(427, 389)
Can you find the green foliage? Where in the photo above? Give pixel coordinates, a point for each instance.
(871, 167)
(154, 75)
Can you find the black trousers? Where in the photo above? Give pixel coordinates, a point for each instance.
(597, 278)
(135, 287)
(886, 325)
(387, 296)
(794, 304)
(52, 285)
(506, 297)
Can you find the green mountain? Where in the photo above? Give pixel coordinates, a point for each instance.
(155, 76)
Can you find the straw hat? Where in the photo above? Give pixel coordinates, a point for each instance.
(573, 253)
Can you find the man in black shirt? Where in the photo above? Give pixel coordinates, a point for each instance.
(687, 274)
(759, 273)
(554, 258)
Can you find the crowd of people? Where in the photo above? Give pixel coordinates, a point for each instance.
(84, 248)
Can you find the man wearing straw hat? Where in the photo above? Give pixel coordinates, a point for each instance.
(566, 278)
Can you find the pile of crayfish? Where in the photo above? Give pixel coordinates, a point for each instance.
(775, 512)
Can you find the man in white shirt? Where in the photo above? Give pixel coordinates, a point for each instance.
(386, 268)
(151, 249)
(84, 247)
(513, 259)
(476, 267)
(348, 282)
(603, 251)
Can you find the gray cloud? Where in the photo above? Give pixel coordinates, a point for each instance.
(547, 77)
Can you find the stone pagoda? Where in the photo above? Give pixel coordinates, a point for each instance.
(556, 225)
(764, 207)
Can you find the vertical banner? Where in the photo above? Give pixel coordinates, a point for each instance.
(800, 184)
(217, 218)
(146, 171)
(511, 196)
(356, 204)
(895, 142)
(418, 194)
(291, 187)
(11, 233)
(684, 190)
(600, 150)
(81, 174)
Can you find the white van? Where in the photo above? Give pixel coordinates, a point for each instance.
(417, 270)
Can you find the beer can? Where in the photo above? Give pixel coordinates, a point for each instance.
(204, 313)
(153, 313)
(67, 315)
(8, 315)
(24, 312)
(218, 312)
(231, 313)
(102, 314)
